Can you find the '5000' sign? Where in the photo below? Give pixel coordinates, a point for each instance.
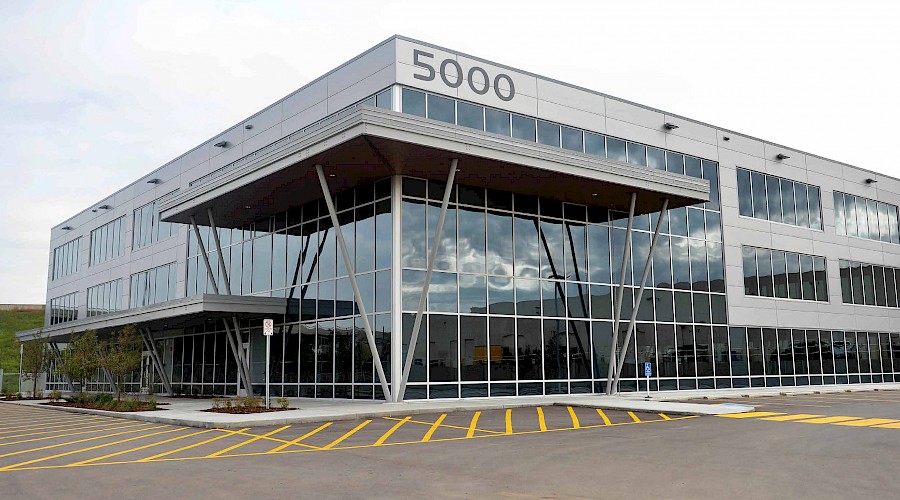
(454, 78)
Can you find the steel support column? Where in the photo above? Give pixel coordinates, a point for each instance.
(411, 351)
(234, 342)
(215, 233)
(351, 271)
(55, 347)
(617, 314)
(663, 213)
(157, 362)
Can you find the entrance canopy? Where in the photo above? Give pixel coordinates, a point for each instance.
(366, 144)
(179, 313)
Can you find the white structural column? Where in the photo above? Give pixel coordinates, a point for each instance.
(396, 280)
(614, 385)
(411, 351)
(157, 362)
(351, 271)
(234, 340)
(617, 314)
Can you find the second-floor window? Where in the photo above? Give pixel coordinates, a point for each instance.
(764, 196)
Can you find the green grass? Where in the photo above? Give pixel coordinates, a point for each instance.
(10, 323)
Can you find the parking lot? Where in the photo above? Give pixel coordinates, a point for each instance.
(822, 445)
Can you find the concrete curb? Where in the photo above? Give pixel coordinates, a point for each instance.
(208, 420)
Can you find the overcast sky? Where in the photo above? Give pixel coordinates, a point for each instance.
(95, 94)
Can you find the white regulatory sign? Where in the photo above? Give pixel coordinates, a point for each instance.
(268, 327)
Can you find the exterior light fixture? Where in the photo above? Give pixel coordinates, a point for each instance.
(104, 207)
(247, 207)
(221, 144)
(726, 138)
(331, 175)
(154, 181)
(670, 126)
(871, 180)
(782, 156)
(248, 126)
(67, 228)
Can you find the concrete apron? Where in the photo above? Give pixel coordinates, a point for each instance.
(189, 412)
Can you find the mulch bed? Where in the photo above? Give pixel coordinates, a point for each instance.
(245, 410)
(98, 407)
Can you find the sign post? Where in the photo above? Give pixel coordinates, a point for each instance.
(648, 371)
(268, 331)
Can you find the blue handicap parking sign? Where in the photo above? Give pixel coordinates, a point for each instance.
(648, 369)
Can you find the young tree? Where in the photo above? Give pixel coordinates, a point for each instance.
(35, 359)
(81, 359)
(122, 355)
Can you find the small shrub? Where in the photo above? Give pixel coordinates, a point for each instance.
(283, 403)
(55, 395)
(228, 403)
(103, 399)
(39, 394)
(152, 402)
(18, 395)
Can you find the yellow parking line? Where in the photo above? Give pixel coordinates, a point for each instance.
(795, 416)
(301, 438)
(665, 417)
(827, 420)
(509, 428)
(751, 414)
(541, 423)
(345, 436)
(472, 424)
(434, 426)
(72, 452)
(390, 431)
(603, 416)
(868, 422)
(634, 417)
(889, 426)
(57, 425)
(188, 447)
(139, 448)
(420, 422)
(55, 436)
(248, 441)
(575, 423)
(80, 441)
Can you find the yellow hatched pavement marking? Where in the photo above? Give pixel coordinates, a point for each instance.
(37, 421)
(429, 424)
(434, 426)
(390, 431)
(751, 414)
(634, 417)
(246, 442)
(889, 426)
(53, 426)
(473, 424)
(665, 417)
(868, 422)
(575, 423)
(139, 448)
(55, 436)
(188, 447)
(57, 445)
(796, 416)
(542, 424)
(827, 420)
(301, 438)
(82, 450)
(345, 436)
(604, 417)
(509, 428)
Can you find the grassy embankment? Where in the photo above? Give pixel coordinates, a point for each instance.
(10, 323)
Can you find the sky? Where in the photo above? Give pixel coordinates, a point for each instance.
(94, 94)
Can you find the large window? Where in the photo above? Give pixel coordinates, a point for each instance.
(153, 286)
(64, 308)
(65, 258)
(776, 199)
(784, 275)
(104, 298)
(865, 218)
(147, 227)
(108, 241)
(869, 284)
(530, 129)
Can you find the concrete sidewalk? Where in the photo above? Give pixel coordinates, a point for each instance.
(190, 412)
